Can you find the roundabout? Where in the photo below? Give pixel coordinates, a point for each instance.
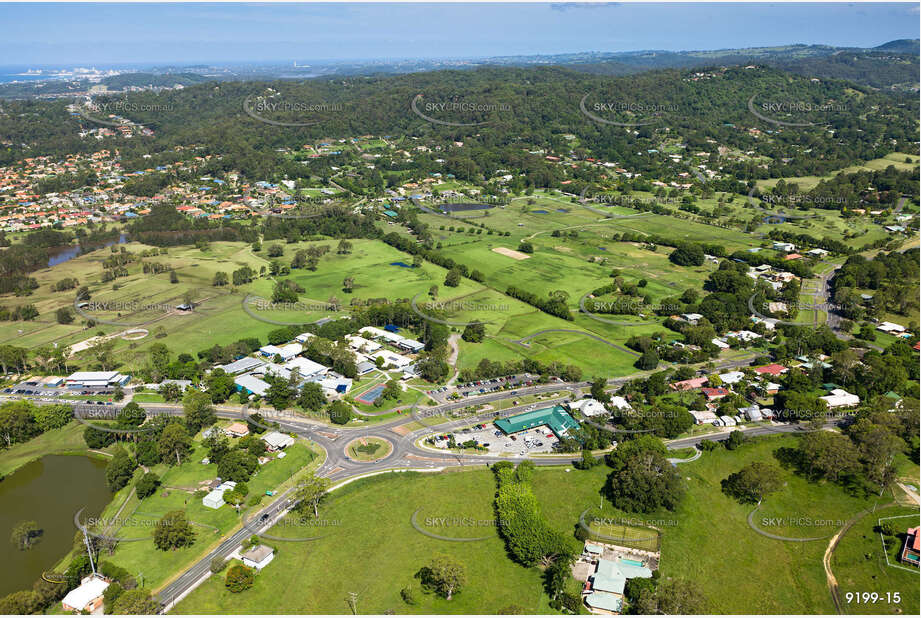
(368, 449)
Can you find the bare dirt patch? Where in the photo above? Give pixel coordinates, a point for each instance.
(515, 255)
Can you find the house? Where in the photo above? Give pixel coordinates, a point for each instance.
(773, 370)
(237, 430)
(768, 388)
(714, 393)
(304, 337)
(277, 441)
(731, 377)
(840, 398)
(786, 247)
(702, 417)
(411, 345)
(687, 385)
(691, 318)
(588, 407)
(609, 580)
(620, 403)
(722, 345)
(360, 344)
(87, 597)
(818, 253)
(891, 328)
(258, 557)
(912, 548)
(727, 421)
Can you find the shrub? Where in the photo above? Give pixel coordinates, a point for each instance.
(239, 578)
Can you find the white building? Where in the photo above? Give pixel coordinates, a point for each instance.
(888, 327)
(287, 352)
(392, 359)
(360, 344)
(840, 398)
(588, 407)
(251, 384)
(96, 379)
(306, 368)
(277, 441)
(620, 403)
(731, 377)
(88, 596)
(214, 499)
(258, 557)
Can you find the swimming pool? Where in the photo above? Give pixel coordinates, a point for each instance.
(635, 563)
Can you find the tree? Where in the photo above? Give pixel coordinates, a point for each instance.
(648, 360)
(753, 482)
(119, 470)
(687, 254)
(64, 315)
(135, 602)
(735, 440)
(829, 455)
(598, 392)
(174, 443)
(198, 410)
(237, 466)
(311, 397)
(526, 246)
(239, 578)
(25, 534)
(147, 485)
(309, 492)
(220, 279)
(642, 479)
(339, 412)
(173, 531)
(445, 575)
(474, 333)
(348, 284)
(452, 279)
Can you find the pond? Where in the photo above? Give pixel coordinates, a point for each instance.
(48, 491)
(59, 255)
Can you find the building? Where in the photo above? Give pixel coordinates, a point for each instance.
(555, 418)
(304, 337)
(731, 377)
(214, 499)
(87, 597)
(242, 365)
(96, 379)
(411, 345)
(237, 430)
(840, 398)
(912, 548)
(286, 352)
(752, 412)
(251, 385)
(620, 403)
(691, 318)
(688, 385)
(714, 393)
(258, 557)
(277, 441)
(771, 370)
(306, 368)
(702, 417)
(588, 407)
(360, 344)
(609, 580)
(786, 247)
(891, 328)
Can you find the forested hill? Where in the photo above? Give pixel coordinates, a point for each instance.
(803, 126)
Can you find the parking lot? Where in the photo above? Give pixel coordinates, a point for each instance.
(532, 441)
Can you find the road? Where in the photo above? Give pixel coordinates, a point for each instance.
(405, 454)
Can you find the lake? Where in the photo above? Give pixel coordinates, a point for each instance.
(48, 491)
(59, 255)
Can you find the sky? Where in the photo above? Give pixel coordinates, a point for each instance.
(121, 34)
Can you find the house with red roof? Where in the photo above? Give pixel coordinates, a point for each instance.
(714, 393)
(773, 369)
(687, 385)
(912, 548)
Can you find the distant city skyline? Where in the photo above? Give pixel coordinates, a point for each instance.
(174, 33)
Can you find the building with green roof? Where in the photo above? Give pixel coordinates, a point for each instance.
(555, 418)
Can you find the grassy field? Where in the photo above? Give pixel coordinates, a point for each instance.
(707, 539)
(860, 565)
